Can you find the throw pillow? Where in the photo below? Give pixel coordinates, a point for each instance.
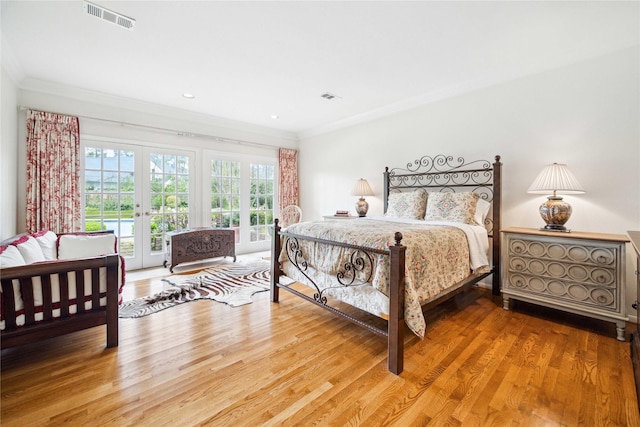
(85, 245)
(454, 207)
(410, 204)
(10, 257)
(47, 241)
(29, 249)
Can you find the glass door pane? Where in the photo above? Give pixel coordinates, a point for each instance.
(261, 201)
(109, 194)
(225, 195)
(168, 202)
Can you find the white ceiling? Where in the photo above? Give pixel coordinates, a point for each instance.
(247, 61)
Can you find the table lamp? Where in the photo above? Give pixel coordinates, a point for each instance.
(362, 188)
(555, 178)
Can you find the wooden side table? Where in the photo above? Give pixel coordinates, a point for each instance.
(577, 272)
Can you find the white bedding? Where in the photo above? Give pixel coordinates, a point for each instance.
(438, 257)
(476, 235)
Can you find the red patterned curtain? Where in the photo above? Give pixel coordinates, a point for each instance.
(53, 172)
(288, 166)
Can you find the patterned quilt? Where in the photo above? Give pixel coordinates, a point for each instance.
(437, 257)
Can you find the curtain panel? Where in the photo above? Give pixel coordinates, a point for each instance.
(53, 172)
(288, 169)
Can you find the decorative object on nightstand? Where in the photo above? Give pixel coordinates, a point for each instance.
(362, 188)
(555, 178)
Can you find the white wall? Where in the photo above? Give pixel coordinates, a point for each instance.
(586, 115)
(8, 155)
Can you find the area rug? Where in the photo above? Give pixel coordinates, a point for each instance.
(230, 283)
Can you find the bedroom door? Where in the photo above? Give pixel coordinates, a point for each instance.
(140, 193)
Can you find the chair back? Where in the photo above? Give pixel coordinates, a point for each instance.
(290, 215)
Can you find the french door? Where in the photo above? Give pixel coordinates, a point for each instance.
(140, 193)
(241, 195)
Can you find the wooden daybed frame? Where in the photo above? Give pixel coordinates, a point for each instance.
(67, 322)
(439, 173)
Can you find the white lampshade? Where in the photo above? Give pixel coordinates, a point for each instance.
(556, 177)
(554, 211)
(362, 188)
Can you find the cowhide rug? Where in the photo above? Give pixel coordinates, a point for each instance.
(230, 283)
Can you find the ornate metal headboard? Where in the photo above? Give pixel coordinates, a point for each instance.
(448, 174)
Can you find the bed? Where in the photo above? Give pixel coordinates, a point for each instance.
(439, 236)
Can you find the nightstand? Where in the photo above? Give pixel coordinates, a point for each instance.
(577, 272)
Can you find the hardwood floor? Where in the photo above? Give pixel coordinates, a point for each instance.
(205, 363)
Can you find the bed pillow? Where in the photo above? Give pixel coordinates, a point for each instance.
(47, 241)
(454, 207)
(29, 249)
(410, 204)
(482, 210)
(85, 245)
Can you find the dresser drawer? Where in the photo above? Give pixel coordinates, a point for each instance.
(583, 273)
(591, 295)
(601, 254)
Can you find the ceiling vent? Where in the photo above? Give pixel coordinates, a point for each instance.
(108, 15)
(328, 95)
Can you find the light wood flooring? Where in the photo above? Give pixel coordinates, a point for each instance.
(292, 363)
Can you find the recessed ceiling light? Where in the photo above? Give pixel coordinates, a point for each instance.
(188, 95)
(275, 116)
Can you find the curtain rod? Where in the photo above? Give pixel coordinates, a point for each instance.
(166, 130)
